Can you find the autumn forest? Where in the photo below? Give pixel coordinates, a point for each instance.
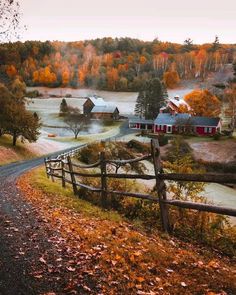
(122, 64)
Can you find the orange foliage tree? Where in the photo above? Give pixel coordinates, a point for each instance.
(65, 75)
(203, 103)
(171, 79)
(112, 78)
(11, 71)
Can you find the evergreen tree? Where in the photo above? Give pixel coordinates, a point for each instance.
(165, 92)
(154, 98)
(140, 105)
(150, 99)
(188, 45)
(64, 107)
(215, 44)
(234, 69)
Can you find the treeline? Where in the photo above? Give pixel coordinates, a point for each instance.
(122, 64)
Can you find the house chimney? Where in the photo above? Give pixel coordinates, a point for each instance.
(176, 97)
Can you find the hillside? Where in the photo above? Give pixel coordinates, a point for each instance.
(25, 151)
(119, 64)
(100, 252)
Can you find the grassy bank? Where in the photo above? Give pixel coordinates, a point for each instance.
(9, 153)
(126, 260)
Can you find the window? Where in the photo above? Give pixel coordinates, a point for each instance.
(208, 129)
(169, 129)
(133, 125)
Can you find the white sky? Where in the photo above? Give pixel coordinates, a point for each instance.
(72, 20)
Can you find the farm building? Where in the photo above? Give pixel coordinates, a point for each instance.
(173, 105)
(141, 124)
(96, 108)
(178, 123)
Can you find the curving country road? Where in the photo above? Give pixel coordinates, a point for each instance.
(25, 237)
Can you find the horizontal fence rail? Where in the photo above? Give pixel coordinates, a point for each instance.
(62, 168)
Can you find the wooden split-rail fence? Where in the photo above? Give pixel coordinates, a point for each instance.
(63, 168)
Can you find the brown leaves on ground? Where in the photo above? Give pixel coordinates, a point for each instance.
(108, 257)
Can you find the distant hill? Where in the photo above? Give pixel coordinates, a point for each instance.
(122, 64)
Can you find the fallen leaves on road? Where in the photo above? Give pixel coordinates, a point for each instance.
(101, 256)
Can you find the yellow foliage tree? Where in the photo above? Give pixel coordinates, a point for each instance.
(171, 79)
(112, 78)
(203, 103)
(44, 76)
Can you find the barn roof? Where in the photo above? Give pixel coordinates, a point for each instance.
(108, 108)
(96, 100)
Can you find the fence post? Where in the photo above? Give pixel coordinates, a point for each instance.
(46, 167)
(63, 182)
(160, 184)
(103, 179)
(72, 176)
(51, 169)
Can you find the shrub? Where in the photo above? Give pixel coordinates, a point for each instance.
(163, 140)
(114, 150)
(33, 94)
(216, 136)
(90, 153)
(229, 167)
(138, 146)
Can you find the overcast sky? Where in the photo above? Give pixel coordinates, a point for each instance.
(71, 20)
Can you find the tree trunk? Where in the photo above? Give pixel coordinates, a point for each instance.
(14, 139)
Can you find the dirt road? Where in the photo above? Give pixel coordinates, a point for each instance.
(25, 238)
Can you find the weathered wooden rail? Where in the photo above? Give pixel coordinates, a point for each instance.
(62, 167)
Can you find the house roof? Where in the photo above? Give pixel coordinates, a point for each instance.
(205, 121)
(169, 119)
(96, 100)
(140, 120)
(178, 102)
(108, 108)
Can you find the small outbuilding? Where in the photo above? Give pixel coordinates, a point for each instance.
(96, 108)
(105, 112)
